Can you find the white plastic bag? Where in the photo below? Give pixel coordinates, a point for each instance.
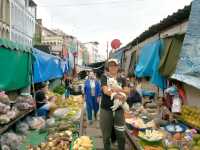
(176, 105)
(60, 112)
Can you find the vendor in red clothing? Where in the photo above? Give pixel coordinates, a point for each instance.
(176, 88)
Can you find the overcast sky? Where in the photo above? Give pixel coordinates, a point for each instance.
(105, 20)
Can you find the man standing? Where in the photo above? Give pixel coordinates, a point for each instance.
(107, 120)
(92, 92)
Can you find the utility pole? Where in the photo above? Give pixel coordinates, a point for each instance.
(107, 50)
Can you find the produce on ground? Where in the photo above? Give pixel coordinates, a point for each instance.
(139, 123)
(11, 141)
(36, 122)
(153, 148)
(195, 144)
(83, 143)
(8, 116)
(57, 141)
(22, 128)
(151, 135)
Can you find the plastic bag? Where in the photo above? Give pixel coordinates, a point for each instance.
(24, 102)
(176, 105)
(4, 108)
(4, 98)
(50, 122)
(22, 128)
(11, 140)
(60, 112)
(4, 119)
(36, 122)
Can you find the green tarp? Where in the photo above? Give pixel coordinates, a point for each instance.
(34, 138)
(172, 49)
(13, 45)
(15, 67)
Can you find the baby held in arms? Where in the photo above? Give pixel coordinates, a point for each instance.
(112, 83)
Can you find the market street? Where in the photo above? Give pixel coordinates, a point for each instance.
(99, 75)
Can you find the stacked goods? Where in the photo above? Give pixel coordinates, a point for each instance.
(4, 99)
(188, 140)
(36, 122)
(139, 123)
(22, 128)
(6, 112)
(152, 109)
(24, 103)
(10, 141)
(62, 126)
(191, 114)
(69, 108)
(151, 135)
(151, 139)
(83, 143)
(4, 108)
(195, 144)
(57, 141)
(73, 103)
(67, 112)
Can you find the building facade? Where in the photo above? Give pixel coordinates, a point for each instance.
(92, 49)
(5, 19)
(23, 20)
(37, 40)
(54, 40)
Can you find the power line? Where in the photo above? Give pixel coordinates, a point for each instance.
(86, 4)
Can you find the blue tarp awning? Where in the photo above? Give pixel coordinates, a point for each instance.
(188, 67)
(148, 64)
(46, 66)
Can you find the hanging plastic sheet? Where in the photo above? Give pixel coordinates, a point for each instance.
(15, 64)
(65, 66)
(188, 67)
(172, 49)
(149, 60)
(46, 67)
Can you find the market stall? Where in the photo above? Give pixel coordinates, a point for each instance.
(20, 129)
(17, 73)
(64, 123)
(146, 131)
